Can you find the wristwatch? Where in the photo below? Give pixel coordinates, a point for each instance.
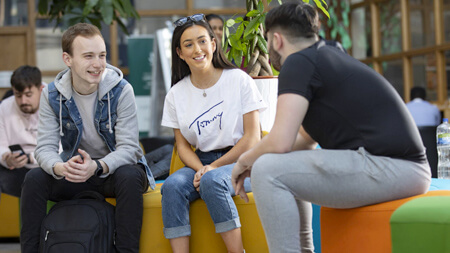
(99, 171)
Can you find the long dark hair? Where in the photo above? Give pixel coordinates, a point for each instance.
(180, 69)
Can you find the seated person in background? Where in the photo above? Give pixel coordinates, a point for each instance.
(19, 116)
(214, 107)
(371, 149)
(216, 23)
(423, 112)
(91, 109)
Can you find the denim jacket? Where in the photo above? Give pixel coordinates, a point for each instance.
(64, 112)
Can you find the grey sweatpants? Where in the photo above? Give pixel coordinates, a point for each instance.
(285, 185)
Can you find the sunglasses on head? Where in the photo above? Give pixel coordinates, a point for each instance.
(193, 18)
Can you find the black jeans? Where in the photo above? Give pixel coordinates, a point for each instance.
(11, 180)
(127, 185)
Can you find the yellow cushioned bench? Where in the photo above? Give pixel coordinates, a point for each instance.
(203, 236)
(9, 216)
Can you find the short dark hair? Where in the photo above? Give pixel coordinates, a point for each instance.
(418, 92)
(180, 69)
(80, 29)
(297, 19)
(213, 16)
(25, 77)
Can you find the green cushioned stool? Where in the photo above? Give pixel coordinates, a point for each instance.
(422, 225)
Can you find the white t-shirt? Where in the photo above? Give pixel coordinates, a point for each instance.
(215, 121)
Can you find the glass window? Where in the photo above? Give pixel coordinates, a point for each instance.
(393, 72)
(48, 46)
(206, 4)
(159, 5)
(390, 27)
(447, 20)
(361, 33)
(447, 70)
(14, 13)
(143, 26)
(422, 23)
(149, 25)
(424, 74)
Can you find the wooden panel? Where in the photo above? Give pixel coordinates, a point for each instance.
(13, 51)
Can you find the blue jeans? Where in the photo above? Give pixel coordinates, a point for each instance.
(215, 189)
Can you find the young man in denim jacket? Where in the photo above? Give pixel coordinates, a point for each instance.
(91, 110)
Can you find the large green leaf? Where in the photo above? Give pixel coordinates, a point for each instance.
(262, 44)
(89, 4)
(230, 23)
(234, 42)
(238, 55)
(239, 30)
(321, 7)
(129, 9)
(253, 13)
(107, 11)
(252, 26)
(118, 7)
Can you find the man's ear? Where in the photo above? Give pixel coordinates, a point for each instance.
(277, 41)
(67, 59)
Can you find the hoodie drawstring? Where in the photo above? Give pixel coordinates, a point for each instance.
(109, 115)
(60, 116)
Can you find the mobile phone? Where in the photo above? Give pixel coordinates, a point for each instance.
(16, 149)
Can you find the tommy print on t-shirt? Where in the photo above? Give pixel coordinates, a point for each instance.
(210, 118)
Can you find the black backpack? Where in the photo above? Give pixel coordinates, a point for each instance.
(83, 224)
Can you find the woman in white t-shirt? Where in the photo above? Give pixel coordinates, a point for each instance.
(214, 107)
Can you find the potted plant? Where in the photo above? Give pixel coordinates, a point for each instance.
(247, 48)
(246, 45)
(70, 12)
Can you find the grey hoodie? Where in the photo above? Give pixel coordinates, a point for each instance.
(126, 129)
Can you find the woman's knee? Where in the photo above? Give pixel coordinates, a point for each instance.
(212, 183)
(175, 183)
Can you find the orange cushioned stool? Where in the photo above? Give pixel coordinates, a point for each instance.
(364, 229)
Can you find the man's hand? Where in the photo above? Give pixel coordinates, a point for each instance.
(199, 175)
(79, 170)
(14, 160)
(238, 175)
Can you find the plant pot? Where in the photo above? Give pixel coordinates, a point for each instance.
(268, 87)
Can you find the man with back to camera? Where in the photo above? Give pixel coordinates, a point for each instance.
(91, 109)
(423, 112)
(19, 115)
(371, 149)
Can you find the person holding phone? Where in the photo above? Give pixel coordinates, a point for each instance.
(18, 129)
